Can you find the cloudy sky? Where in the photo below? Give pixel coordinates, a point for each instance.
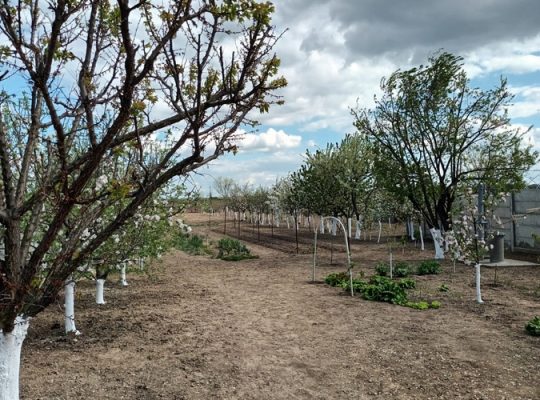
(334, 54)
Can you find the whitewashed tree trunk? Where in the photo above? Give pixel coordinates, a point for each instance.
(358, 233)
(321, 225)
(478, 279)
(437, 241)
(391, 264)
(123, 277)
(421, 231)
(69, 307)
(411, 229)
(10, 359)
(334, 227)
(349, 227)
(100, 286)
(380, 231)
(328, 226)
(288, 223)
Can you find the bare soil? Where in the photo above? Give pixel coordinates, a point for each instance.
(197, 327)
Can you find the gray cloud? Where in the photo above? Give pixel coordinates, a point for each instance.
(379, 27)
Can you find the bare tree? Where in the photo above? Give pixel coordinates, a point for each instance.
(161, 86)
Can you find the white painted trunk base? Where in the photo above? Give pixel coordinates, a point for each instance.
(10, 359)
(100, 286)
(321, 225)
(349, 227)
(437, 241)
(358, 233)
(123, 279)
(380, 231)
(421, 231)
(478, 279)
(69, 307)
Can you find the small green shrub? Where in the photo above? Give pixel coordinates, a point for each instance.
(233, 250)
(358, 285)
(423, 305)
(419, 305)
(435, 304)
(428, 267)
(336, 278)
(533, 326)
(191, 244)
(381, 288)
(407, 283)
(443, 288)
(382, 269)
(401, 269)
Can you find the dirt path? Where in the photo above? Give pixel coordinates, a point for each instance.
(202, 328)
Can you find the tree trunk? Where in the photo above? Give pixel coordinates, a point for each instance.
(100, 286)
(123, 278)
(478, 279)
(421, 231)
(437, 242)
(10, 359)
(358, 233)
(69, 307)
(380, 231)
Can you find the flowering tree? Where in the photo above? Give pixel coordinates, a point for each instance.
(469, 238)
(85, 81)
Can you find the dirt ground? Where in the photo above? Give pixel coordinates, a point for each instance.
(200, 328)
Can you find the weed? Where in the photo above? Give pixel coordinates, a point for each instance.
(533, 326)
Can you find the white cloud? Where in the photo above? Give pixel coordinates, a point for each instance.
(527, 103)
(269, 141)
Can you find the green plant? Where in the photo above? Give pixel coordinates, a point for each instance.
(435, 304)
(381, 288)
(419, 305)
(382, 269)
(428, 267)
(191, 244)
(423, 305)
(336, 278)
(407, 283)
(401, 269)
(533, 326)
(358, 285)
(443, 288)
(233, 250)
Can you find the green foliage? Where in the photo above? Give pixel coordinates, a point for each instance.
(191, 244)
(336, 278)
(381, 288)
(429, 267)
(233, 250)
(423, 305)
(436, 133)
(401, 269)
(382, 269)
(407, 283)
(358, 285)
(533, 326)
